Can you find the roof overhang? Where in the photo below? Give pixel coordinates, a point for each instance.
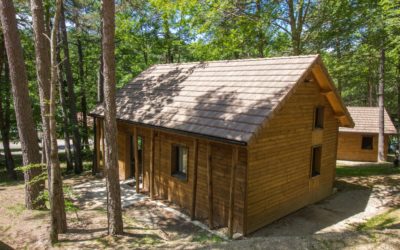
(329, 90)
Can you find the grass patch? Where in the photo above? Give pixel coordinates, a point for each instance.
(367, 170)
(16, 210)
(389, 219)
(204, 237)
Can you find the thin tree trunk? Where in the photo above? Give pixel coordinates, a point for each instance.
(5, 115)
(22, 104)
(58, 217)
(110, 124)
(100, 75)
(43, 75)
(64, 111)
(260, 34)
(83, 95)
(381, 136)
(76, 138)
(398, 103)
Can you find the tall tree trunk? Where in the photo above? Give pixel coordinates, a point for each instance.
(339, 58)
(110, 124)
(381, 136)
(5, 115)
(58, 217)
(43, 74)
(260, 33)
(64, 111)
(22, 103)
(76, 138)
(83, 95)
(100, 74)
(398, 102)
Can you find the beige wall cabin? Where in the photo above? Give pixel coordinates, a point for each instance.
(360, 146)
(288, 165)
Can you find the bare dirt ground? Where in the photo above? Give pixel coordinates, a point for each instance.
(329, 224)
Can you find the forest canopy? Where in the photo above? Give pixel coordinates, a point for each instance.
(348, 34)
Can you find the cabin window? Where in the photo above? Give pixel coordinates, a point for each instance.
(367, 142)
(319, 117)
(316, 158)
(179, 161)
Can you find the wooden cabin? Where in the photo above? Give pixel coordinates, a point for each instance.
(236, 144)
(361, 142)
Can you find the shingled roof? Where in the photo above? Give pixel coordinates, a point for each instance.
(366, 120)
(229, 100)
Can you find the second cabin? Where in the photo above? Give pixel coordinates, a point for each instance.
(235, 144)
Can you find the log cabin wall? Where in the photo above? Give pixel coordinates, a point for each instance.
(349, 147)
(180, 192)
(279, 160)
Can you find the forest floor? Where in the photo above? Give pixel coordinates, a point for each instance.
(364, 213)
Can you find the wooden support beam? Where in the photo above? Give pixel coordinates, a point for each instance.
(136, 156)
(326, 92)
(95, 149)
(152, 164)
(210, 187)
(235, 159)
(194, 185)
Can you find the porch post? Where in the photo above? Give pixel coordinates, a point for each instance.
(136, 155)
(152, 164)
(235, 159)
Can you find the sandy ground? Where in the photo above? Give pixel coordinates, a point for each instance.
(327, 224)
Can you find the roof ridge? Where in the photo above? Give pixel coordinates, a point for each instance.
(240, 60)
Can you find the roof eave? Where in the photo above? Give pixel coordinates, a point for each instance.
(178, 131)
(328, 88)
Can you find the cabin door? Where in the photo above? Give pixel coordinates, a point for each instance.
(132, 168)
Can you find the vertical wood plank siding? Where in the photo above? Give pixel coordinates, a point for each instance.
(349, 147)
(279, 161)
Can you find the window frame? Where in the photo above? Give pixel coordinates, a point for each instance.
(372, 142)
(315, 171)
(319, 117)
(175, 172)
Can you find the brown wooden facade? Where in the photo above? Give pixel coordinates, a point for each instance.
(242, 186)
(350, 147)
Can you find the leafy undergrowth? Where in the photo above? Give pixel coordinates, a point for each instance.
(388, 220)
(367, 170)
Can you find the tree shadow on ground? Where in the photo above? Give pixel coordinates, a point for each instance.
(350, 200)
(4, 246)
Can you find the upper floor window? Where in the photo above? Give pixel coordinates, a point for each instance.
(316, 159)
(319, 117)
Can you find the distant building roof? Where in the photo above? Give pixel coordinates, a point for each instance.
(366, 120)
(228, 100)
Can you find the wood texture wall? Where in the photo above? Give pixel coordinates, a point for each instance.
(279, 161)
(349, 147)
(180, 192)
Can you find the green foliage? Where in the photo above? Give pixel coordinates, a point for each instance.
(204, 237)
(348, 35)
(367, 170)
(381, 221)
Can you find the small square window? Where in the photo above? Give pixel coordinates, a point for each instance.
(179, 161)
(367, 142)
(319, 117)
(316, 157)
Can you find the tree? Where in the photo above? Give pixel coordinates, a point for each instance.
(71, 100)
(42, 72)
(5, 112)
(22, 103)
(381, 105)
(58, 217)
(294, 14)
(110, 123)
